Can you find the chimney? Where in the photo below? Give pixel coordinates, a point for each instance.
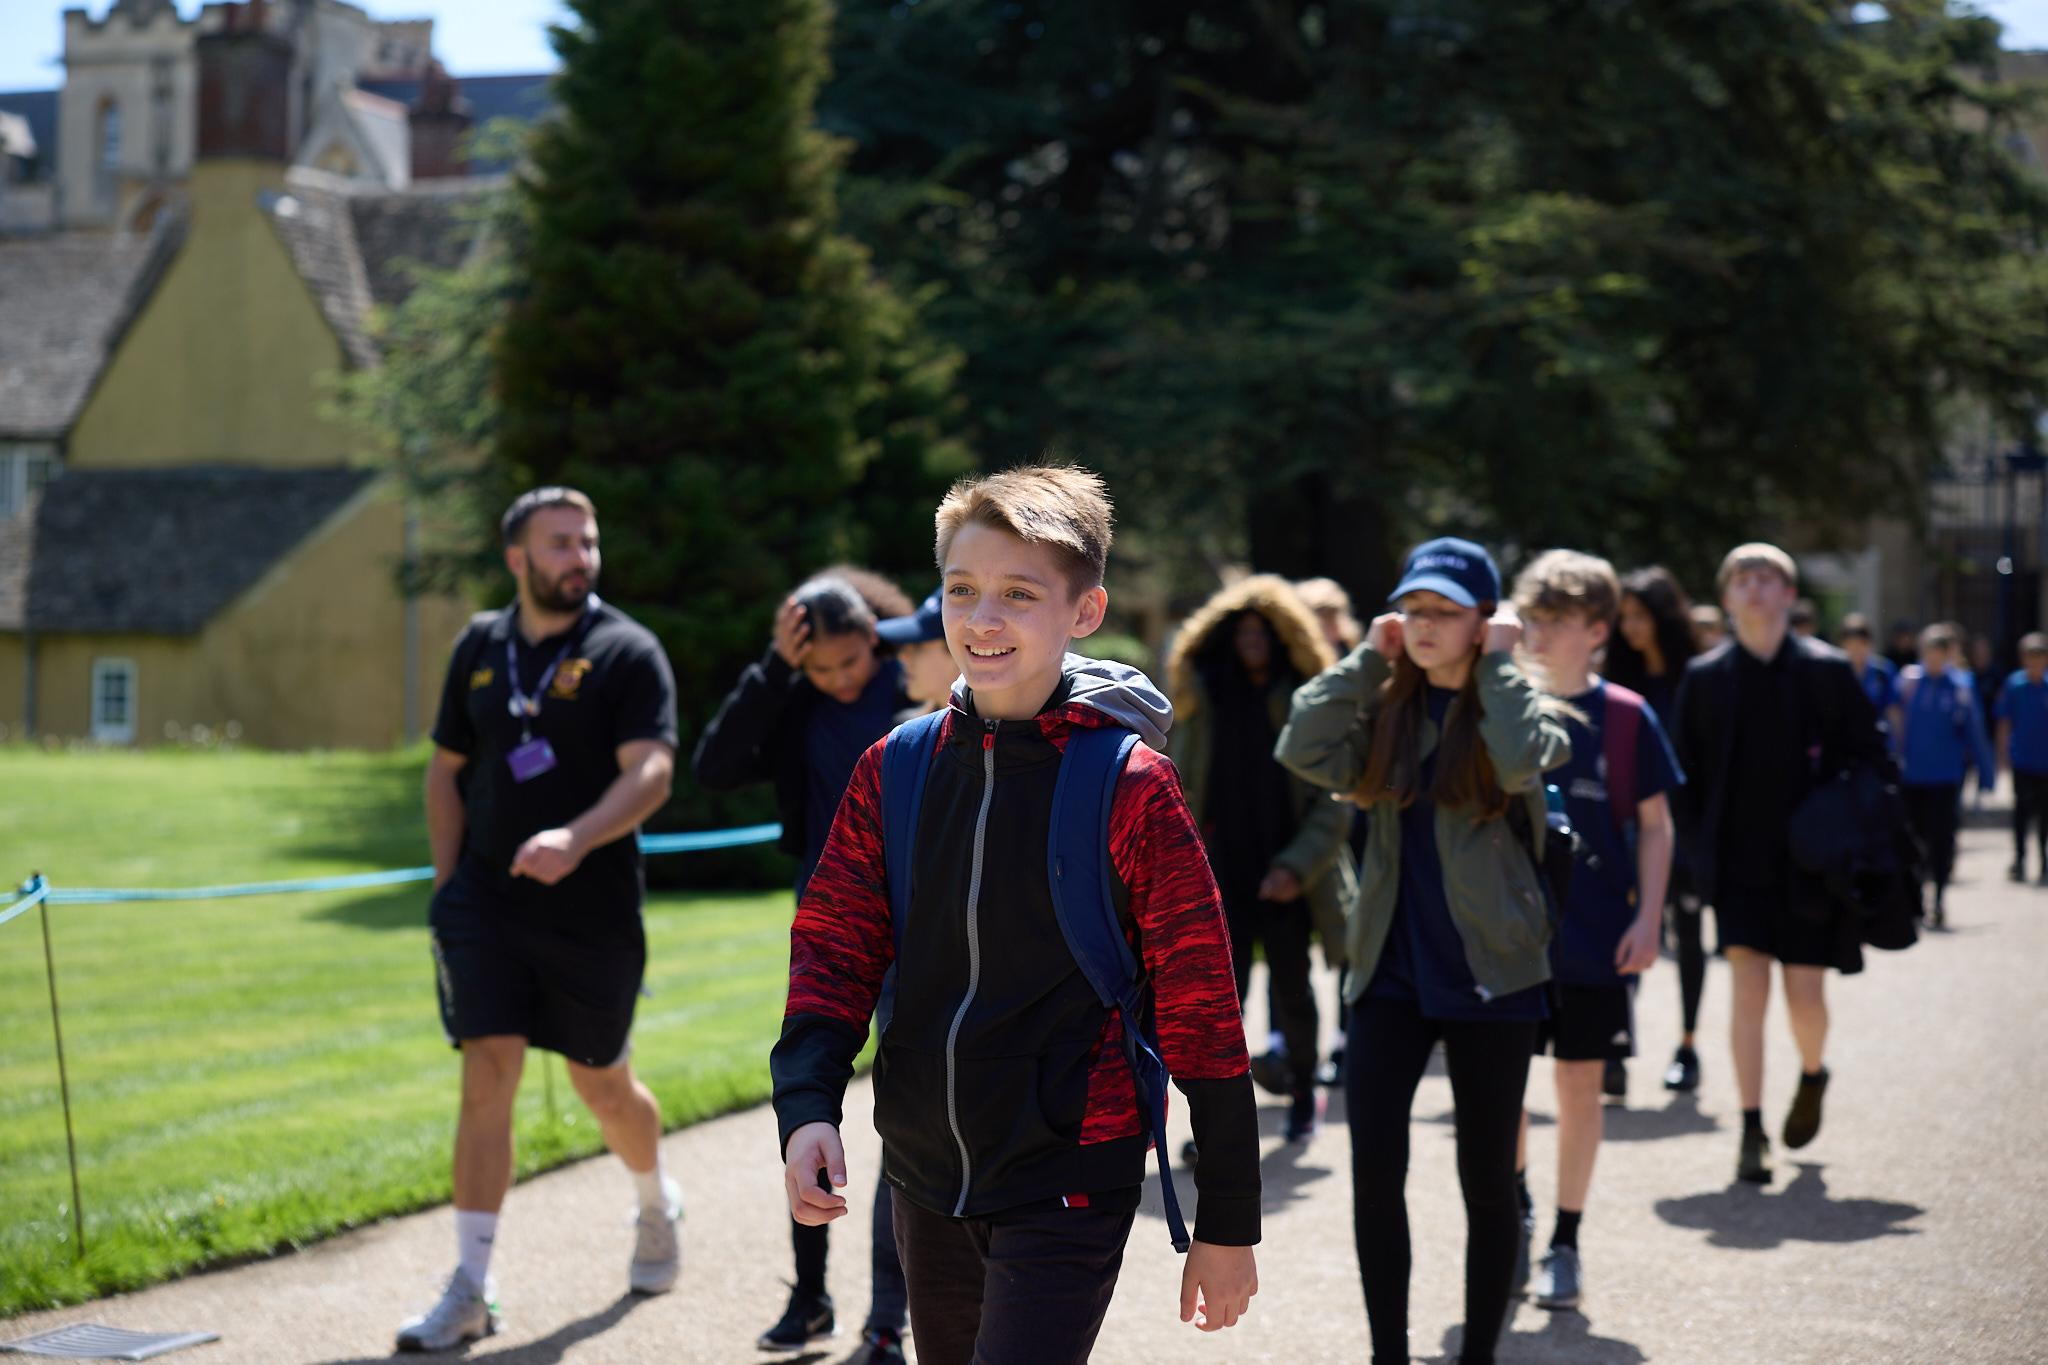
(440, 121)
(245, 81)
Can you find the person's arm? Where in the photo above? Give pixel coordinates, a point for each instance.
(1313, 850)
(840, 948)
(1185, 946)
(1985, 761)
(1329, 724)
(646, 771)
(736, 748)
(1521, 735)
(446, 819)
(2005, 744)
(1655, 842)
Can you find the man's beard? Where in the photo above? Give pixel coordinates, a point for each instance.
(553, 596)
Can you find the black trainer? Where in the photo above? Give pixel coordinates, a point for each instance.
(1684, 1072)
(878, 1346)
(1305, 1115)
(1754, 1165)
(2016, 873)
(807, 1319)
(1802, 1124)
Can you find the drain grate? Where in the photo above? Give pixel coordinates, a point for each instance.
(90, 1341)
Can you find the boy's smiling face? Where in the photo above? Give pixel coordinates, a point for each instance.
(1010, 611)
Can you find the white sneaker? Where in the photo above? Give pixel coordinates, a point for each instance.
(657, 1250)
(464, 1313)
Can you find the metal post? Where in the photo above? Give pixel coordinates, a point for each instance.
(63, 1082)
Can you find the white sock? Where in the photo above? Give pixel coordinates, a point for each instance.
(474, 1233)
(648, 1184)
(1276, 1043)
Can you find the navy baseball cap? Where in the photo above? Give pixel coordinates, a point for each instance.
(925, 624)
(1458, 569)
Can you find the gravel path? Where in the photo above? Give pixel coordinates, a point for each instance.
(1914, 1230)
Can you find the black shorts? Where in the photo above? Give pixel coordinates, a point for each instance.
(1589, 1023)
(496, 974)
(1765, 923)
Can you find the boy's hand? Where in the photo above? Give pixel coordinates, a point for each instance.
(1281, 885)
(1383, 636)
(812, 1148)
(548, 856)
(1504, 631)
(1637, 951)
(793, 633)
(1219, 1282)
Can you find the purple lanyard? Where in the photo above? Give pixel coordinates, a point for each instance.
(526, 707)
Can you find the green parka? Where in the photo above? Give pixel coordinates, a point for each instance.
(1489, 881)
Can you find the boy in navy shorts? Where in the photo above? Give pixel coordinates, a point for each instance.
(1615, 794)
(2022, 709)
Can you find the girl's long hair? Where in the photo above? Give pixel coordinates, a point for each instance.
(1669, 608)
(1464, 776)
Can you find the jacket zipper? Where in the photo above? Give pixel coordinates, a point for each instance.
(988, 791)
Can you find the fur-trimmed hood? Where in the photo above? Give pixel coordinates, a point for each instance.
(1272, 597)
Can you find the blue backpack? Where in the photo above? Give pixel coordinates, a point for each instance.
(1078, 871)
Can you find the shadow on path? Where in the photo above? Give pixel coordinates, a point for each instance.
(1680, 1118)
(1565, 1336)
(550, 1349)
(1752, 1219)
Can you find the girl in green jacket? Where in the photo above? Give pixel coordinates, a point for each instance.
(1431, 727)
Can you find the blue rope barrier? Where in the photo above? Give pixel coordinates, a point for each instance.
(39, 890)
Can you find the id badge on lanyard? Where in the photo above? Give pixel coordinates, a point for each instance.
(535, 757)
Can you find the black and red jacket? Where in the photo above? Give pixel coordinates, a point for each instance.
(1001, 1079)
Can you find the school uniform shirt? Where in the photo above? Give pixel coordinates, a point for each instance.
(1424, 962)
(1754, 856)
(1943, 730)
(2024, 705)
(612, 687)
(1603, 898)
(836, 734)
(1880, 682)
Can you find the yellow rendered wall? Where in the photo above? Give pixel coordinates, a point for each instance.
(311, 657)
(12, 700)
(170, 683)
(314, 655)
(226, 363)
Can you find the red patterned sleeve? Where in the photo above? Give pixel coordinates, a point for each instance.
(840, 948)
(1186, 948)
(1158, 854)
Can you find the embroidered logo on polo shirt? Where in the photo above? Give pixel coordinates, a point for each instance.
(481, 678)
(569, 678)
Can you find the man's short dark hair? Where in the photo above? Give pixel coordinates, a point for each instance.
(512, 525)
(1855, 626)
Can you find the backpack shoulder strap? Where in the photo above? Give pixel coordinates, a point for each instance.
(1079, 867)
(1079, 873)
(906, 767)
(1620, 736)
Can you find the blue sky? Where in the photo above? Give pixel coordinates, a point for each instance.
(482, 37)
(473, 37)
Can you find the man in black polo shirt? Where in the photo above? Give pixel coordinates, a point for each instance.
(1760, 722)
(556, 738)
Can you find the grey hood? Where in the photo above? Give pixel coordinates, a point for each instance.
(1118, 691)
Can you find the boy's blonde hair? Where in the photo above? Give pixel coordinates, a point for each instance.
(1326, 598)
(1757, 555)
(1569, 583)
(1063, 507)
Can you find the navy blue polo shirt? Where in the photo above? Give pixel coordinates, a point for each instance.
(836, 734)
(1424, 961)
(2025, 704)
(1603, 894)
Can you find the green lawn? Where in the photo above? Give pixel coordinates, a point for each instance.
(248, 1075)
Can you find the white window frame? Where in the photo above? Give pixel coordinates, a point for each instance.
(106, 732)
(15, 459)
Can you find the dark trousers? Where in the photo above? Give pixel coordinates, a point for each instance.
(1935, 811)
(1688, 919)
(1386, 1053)
(2029, 810)
(1026, 1287)
(888, 1307)
(1285, 930)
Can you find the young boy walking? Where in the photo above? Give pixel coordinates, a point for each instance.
(2023, 742)
(1014, 1136)
(1941, 734)
(1615, 794)
(1762, 720)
